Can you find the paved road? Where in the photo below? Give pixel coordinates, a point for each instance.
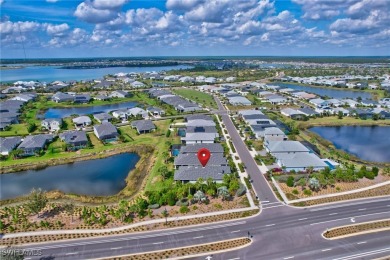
(259, 184)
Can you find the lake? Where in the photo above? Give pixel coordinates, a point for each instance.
(101, 177)
(371, 143)
(52, 73)
(68, 111)
(323, 91)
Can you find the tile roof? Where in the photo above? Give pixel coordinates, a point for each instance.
(193, 173)
(194, 148)
(191, 159)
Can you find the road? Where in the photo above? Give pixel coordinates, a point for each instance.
(279, 232)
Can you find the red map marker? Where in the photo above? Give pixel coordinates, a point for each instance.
(203, 156)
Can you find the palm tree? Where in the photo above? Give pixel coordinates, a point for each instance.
(199, 184)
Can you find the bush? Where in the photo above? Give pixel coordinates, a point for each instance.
(307, 192)
(369, 175)
(241, 191)
(184, 209)
(295, 191)
(182, 202)
(290, 181)
(168, 134)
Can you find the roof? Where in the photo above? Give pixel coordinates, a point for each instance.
(200, 137)
(273, 131)
(194, 148)
(191, 159)
(143, 125)
(286, 146)
(239, 100)
(300, 160)
(193, 173)
(51, 120)
(102, 116)
(137, 111)
(81, 120)
(290, 111)
(198, 117)
(255, 116)
(154, 109)
(106, 129)
(62, 96)
(9, 143)
(308, 111)
(250, 112)
(201, 129)
(35, 141)
(74, 137)
(200, 122)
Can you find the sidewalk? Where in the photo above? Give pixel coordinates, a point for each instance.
(153, 221)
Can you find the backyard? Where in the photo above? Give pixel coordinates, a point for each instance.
(197, 96)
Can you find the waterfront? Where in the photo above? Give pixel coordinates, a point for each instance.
(68, 111)
(330, 92)
(100, 177)
(53, 73)
(369, 143)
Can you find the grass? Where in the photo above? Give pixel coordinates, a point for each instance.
(335, 121)
(197, 96)
(17, 129)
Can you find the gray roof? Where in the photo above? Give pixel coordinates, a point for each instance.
(7, 144)
(143, 125)
(201, 129)
(82, 120)
(193, 173)
(286, 146)
(255, 116)
(239, 100)
(200, 122)
(35, 141)
(194, 148)
(250, 112)
(72, 137)
(301, 160)
(154, 109)
(62, 96)
(273, 131)
(191, 159)
(102, 116)
(50, 120)
(106, 129)
(308, 111)
(200, 137)
(198, 117)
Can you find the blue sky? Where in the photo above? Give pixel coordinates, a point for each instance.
(106, 28)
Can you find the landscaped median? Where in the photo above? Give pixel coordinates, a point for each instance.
(187, 252)
(357, 229)
(156, 224)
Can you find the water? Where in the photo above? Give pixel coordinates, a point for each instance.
(101, 177)
(52, 73)
(371, 143)
(333, 93)
(68, 111)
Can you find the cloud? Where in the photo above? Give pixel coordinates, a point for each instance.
(185, 5)
(323, 9)
(88, 13)
(57, 30)
(109, 4)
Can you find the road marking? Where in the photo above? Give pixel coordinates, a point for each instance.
(349, 204)
(362, 209)
(27, 258)
(290, 257)
(272, 206)
(197, 237)
(328, 249)
(363, 242)
(71, 253)
(140, 237)
(237, 258)
(331, 214)
(158, 243)
(349, 218)
(302, 219)
(115, 248)
(235, 231)
(379, 251)
(270, 225)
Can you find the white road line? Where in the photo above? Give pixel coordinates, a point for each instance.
(290, 257)
(158, 243)
(270, 225)
(331, 214)
(197, 237)
(71, 253)
(302, 219)
(235, 231)
(348, 204)
(237, 258)
(272, 206)
(379, 251)
(349, 218)
(271, 203)
(27, 258)
(328, 249)
(361, 209)
(115, 248)
(363, 242)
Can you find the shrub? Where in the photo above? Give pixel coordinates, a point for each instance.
(369, 175)
(241, 191)
(195, 207)
(218, 206)
(184, 209)
(295, 191)
(290, 181)
(307, 192)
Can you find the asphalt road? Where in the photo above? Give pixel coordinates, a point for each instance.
(279, 232)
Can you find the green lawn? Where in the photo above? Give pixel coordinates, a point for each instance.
(197, 96)
(17, 129)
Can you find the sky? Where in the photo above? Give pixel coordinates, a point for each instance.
(126, 28)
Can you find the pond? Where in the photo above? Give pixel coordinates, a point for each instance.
(371, 143)
(100, 177)
(68, 111)
(330, 92)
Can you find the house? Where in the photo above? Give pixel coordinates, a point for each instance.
(319, 102)
(119, 94)
(193, 173)
(82, 98)
(308, 111)
(62, 97)
(106, 132)
(275, 147)
(350, 102)
(26, 97)
(293, 113)
(136, 111)
(243, 113)
(200, 122)
(52, 124)
(121, 114)
(201, 129)
(384, 114)
(82, 121)
(337, 110)
(8, 144)
(300, 161)
(102, 97)
(194, 148)
(191, 159)
(274, 134)
(102, 117)
(155, 111)
(74, 139)
(143, 126)
(239, 100)
(198, 117)
(104, 84)
(361, 113)
(193, 138)
(137, 84)
(33, 144)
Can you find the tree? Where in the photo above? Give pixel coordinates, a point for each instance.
(163, 170)
(16, 153)
(290, 181)
(199, 184)
(69, 208)
(340, 115)
(165, 214)
(37, 201)
(302, 183)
